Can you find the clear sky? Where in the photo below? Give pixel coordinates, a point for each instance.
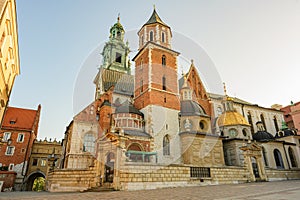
(254, 46)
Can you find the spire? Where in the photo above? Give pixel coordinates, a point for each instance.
(155, 18)
(225, 91)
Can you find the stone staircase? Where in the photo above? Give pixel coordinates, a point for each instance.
(106, 187)
(71, 180)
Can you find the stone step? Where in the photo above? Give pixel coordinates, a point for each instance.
(99, 189)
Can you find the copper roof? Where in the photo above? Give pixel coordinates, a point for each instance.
(124, 83)
(155, 19)
(20, 118)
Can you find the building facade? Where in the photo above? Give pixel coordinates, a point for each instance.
(38, 163)
(292, 116)
(18, 132)
(150, 130)
(9, 52)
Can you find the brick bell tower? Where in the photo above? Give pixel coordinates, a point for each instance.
(156, 86)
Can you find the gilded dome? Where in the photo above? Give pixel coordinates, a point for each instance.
(230, 118)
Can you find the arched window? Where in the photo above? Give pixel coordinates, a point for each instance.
(135, 147)
(151, 35)
(265, 156)
(262, 118)
(119, 35)
(142, 63)
(250, 122)
(89, 143)
(164, 87)
(163, 60)
(275, 124)
(292, 157)
(166, 145)
(278, 159)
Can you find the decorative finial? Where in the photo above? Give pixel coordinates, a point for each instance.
(192, 61)
(154, 6)
(225, 91)
(118, 17)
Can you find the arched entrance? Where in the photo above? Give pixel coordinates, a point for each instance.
(35, 181)
(109, 168)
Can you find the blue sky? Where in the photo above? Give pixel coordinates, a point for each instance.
(254, 46)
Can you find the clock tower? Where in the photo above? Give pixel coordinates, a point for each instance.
(156, 86)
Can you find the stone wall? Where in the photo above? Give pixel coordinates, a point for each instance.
(67, 180)
(277, 175)
(228, 175)
(143, 177)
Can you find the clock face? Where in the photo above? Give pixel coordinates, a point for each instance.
(232, 132)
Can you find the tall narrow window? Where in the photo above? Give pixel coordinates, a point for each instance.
(292, 157)
(20, 137)
(164, 87)
(118, 57)
(278, 159)
(166, 145)
(119, 35)
(6, 136)
(141, 63)
(250, 122)
(141, 87)
(262, 118)
(275, 124)
(163, 60)
(89, 143)
(10, 151)
(163, 37)
(151, 36)
(35, 162)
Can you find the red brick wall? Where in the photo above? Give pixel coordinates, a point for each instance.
(158, 71)
(8, 178)
(18, 156)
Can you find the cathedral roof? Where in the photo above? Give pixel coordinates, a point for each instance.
(285, 132)
(262, 136)
(128, 107)
(136, 133)
(230, 118)
(117, 26)
(124, 83)
(155, 19)
(191, 108)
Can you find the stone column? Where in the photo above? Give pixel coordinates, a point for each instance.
(261, 168)
(248, 162)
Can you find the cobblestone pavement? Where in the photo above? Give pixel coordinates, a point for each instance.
(280, 190)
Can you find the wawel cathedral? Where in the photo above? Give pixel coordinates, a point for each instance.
(156, 129)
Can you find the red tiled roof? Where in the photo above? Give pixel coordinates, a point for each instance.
(20, 118)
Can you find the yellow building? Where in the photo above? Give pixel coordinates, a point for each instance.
(9, 52)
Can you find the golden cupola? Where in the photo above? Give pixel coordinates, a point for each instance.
(230, 116)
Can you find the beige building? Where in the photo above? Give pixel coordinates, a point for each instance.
(9, 52)
(38, 163)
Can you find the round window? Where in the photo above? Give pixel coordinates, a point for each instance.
(202, 124)
(232, 132)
